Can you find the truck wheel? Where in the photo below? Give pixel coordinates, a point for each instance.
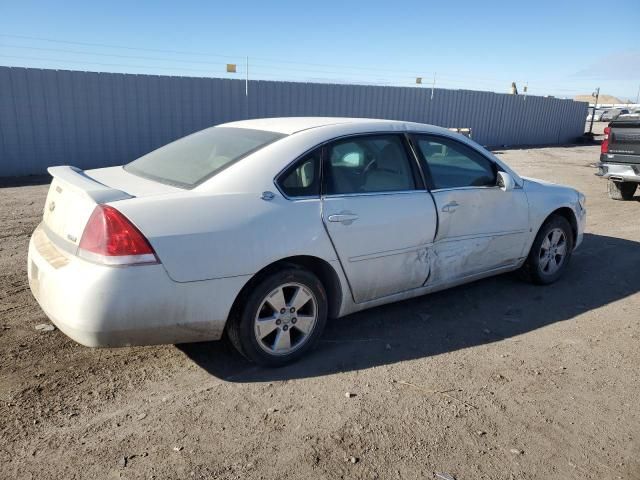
(550, 252)
(281, 319)
(621, 190)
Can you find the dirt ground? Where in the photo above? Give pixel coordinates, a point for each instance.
(498, 379)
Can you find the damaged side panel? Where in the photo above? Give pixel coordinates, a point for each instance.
(382, 240)
(480, 229)
(458, 258)
(381, 275)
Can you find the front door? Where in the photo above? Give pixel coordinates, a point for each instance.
(482, 227)
(378, 214)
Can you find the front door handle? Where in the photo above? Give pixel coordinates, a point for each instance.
(346, 218)
(450, 207)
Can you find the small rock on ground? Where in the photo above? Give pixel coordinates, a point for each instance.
(445, 476)
(45, 327)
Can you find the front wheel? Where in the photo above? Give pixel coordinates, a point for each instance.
(283, 317)
(550, 252)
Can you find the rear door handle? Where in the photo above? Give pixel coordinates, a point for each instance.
(450, 207)
(346, 218)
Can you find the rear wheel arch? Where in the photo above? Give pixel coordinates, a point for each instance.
(319, 267)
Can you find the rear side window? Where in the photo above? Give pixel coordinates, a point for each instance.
(302, 179)
(368, 164)
(197, 157)
(454, 165)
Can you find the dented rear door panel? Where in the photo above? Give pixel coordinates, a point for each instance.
(383, 241)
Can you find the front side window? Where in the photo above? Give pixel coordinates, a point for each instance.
(302, 179)
(197, 157)
(368, 164)
(454, 165)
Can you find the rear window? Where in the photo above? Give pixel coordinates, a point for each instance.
(197, 157)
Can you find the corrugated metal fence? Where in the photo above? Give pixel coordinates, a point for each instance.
(56, 117)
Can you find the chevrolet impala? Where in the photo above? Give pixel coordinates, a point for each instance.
(262, 229)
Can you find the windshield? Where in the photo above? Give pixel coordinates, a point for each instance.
(197, 157)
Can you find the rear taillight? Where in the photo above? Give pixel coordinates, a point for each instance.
(110, 238)
(604, 146)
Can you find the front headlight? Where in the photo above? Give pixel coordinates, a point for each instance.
(582, 200)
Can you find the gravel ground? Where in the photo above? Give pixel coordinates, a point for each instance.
(494, 380)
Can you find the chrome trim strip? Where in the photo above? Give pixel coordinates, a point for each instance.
(373, 194)
(118, 260)
(496, 187)
(436, 190)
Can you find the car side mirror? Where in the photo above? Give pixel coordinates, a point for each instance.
(506, 181)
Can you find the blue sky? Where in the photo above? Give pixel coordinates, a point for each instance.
(554, 46)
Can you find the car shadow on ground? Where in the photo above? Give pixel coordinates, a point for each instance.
(603, 270)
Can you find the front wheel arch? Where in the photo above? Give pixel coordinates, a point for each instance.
(565, 212)
(569, 215)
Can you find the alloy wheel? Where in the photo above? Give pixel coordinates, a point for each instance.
(286, 318)
(553, 251)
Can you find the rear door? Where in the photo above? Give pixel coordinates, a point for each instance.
(378, 214)
(482, 227)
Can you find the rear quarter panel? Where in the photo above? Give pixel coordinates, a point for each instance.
(200, 236)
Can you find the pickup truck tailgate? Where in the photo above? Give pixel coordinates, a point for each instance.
(624, 142)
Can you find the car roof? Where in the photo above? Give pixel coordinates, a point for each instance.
(289, 125)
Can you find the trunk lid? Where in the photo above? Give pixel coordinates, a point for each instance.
(71, 199)
(74, 194)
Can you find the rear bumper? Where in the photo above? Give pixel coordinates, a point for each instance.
(617, 171)
(100, 306)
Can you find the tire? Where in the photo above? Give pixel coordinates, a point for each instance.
(260, 330)
(621, 190)
(539, 268)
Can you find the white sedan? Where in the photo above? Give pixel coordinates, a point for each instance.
(262, 229)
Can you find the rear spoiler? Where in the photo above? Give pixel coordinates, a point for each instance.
(80, 182)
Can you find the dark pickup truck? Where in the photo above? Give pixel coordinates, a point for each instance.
(620, 158)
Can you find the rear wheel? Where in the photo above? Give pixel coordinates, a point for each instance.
(621, 190)
(550, 252)
(282, 318)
